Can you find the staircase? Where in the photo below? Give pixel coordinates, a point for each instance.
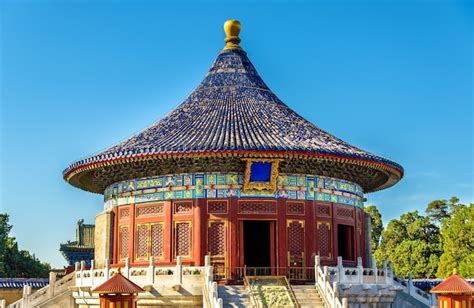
(307, 296)
(234, 296)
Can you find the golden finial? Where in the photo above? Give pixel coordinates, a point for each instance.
(455, 271)
(232, 30)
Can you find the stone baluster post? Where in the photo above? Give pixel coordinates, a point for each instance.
(3, 303)
(317, 264)
(340, 270)
(325, 277)
(390, 273)
(127, 267)
(83, 268)
(208, 268)
(345, 303)
(52, 284)
(410, 284)
(360, 270)
(220, 303)
(178, 274)
(91, 271)
(107, 269)
(26, 296)
(215, 293)
(375, 270)
(335, 288)
(385, 272)
(151, 270)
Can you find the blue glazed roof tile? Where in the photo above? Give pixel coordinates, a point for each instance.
(232, 110)
(18, 283)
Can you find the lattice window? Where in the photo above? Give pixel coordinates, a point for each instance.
(295, 208)
(124, 237)
(217, 207)
(157, 240)
(325, 240)
(216, 238)
(183, 208)
(256, 207)
(324, 210)
(183, 238)
(124, 213)
(150, 210)
(295, 242)
(345, 212)
(142, 241)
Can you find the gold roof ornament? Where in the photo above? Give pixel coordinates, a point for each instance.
(232, 30)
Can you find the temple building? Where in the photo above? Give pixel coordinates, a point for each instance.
(230, 187)
(233, 173)
(82, 249)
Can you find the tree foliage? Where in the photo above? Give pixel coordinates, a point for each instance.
(412, 243)
(458, 241)
(432, 245)
(376, 226)
(15, 263)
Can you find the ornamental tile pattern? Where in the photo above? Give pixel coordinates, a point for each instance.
(295, 242)
(142, 241)
(157, 240)
(216, 238)
(224, 185)
(124, 213)
(324, 210)
(181, 208)
(257, 207)
(345, 212)
(217, 207)
(124, 240)
(324, 236)
(295, 208)
(183, 239)
(150, 210)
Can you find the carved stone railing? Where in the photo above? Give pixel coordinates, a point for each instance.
(144, 276)
(417, 293)
(210, 295)
(332, 280)
(327, 289)
(55, 288)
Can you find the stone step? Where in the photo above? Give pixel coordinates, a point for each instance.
(234, 296)
(307, 296)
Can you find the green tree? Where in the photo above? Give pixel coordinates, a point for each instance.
(412, 243)
(376, 226)
(458, 241)
(15, 263)
(439, 210)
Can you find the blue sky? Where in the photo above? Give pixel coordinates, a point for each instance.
(392, 77)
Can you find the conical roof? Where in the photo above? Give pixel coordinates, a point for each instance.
(454, 284)
(233, 113)
(118, 284)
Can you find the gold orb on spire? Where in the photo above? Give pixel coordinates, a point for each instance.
(232, 30)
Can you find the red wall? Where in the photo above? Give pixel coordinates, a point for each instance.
(168, 228)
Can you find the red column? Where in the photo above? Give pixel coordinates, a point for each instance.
(310, 240)
(167, 236)
(115, 239)
(233, 247)
(197, 233)
(131, 235)
(282, 246)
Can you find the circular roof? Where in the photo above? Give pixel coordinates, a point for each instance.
(232, 113)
